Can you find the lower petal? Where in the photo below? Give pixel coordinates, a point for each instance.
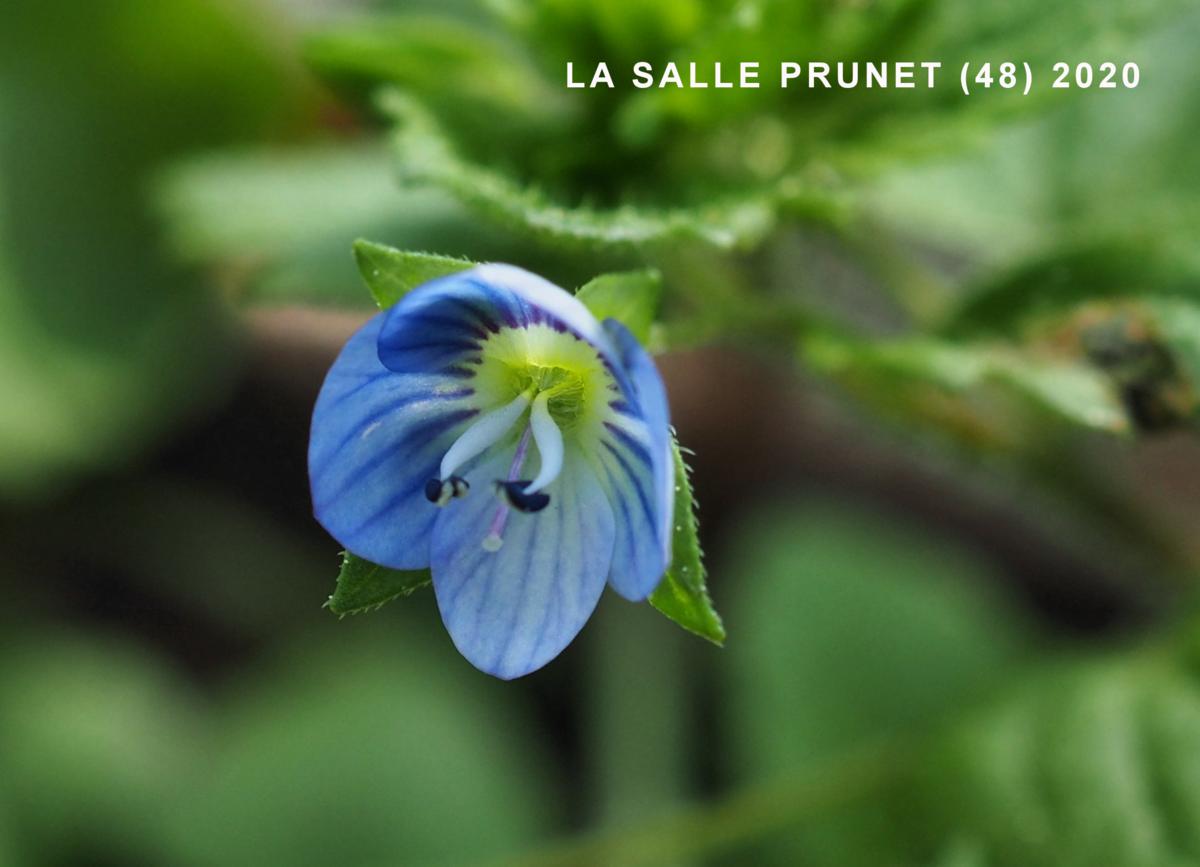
(511, 611)
(377, 437)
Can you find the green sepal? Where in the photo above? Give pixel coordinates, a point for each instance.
(365, 586)
(683, 596)
(391, 274)
(630, 297)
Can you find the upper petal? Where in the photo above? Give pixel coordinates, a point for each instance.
(638, 472)
(442, 325)
(513, 610)
(377, 437)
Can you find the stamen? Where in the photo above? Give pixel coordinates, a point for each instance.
(518, 496)
(549, 442)
(495, 537)
(485, 432)
(441, 492)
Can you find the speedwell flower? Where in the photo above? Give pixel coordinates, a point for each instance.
(488, 427)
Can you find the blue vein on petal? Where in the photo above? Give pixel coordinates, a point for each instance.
(476, 329)
(557, 596)
(482, 317)
(369, 380)
(633, 478)
(407, 400)
(640, 451)
(461, 345)
(521, 593)
(421, 434)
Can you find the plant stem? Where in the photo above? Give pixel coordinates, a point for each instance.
(707, 829)
(640, 723)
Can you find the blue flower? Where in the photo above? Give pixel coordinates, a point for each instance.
(488, 427)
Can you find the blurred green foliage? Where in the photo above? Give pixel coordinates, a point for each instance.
(895, 640)
(95, 739)
(1093, 763)
(104, 339)
(882, 639)
(365, 753)
(318, 758)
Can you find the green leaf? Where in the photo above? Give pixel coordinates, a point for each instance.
(915, 376)
(365, 586)
(257, 202)
(1057, 282)
(275, 223)
(892, 125)
(470, 74)
(1129, 312)
(426, 155)
(387, 719)
(105, 349)
(854, 629)
(1094, 763)
(1178, 324)
(391, 274)
(96, 736)
(630, 297)
(683, 596)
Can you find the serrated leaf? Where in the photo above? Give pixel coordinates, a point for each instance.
(391, 274)
(365, 586)
(683, 596)
(425, 155)
(630, 297)
(1095, 763)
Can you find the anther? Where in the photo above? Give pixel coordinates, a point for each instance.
(441, 492)
(515, 494)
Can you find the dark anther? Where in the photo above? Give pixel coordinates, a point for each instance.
(514, 492)
(440, 493)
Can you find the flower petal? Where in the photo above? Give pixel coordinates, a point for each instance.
(638, 472)
(513, 610)
(441, 325)
(377, 437)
